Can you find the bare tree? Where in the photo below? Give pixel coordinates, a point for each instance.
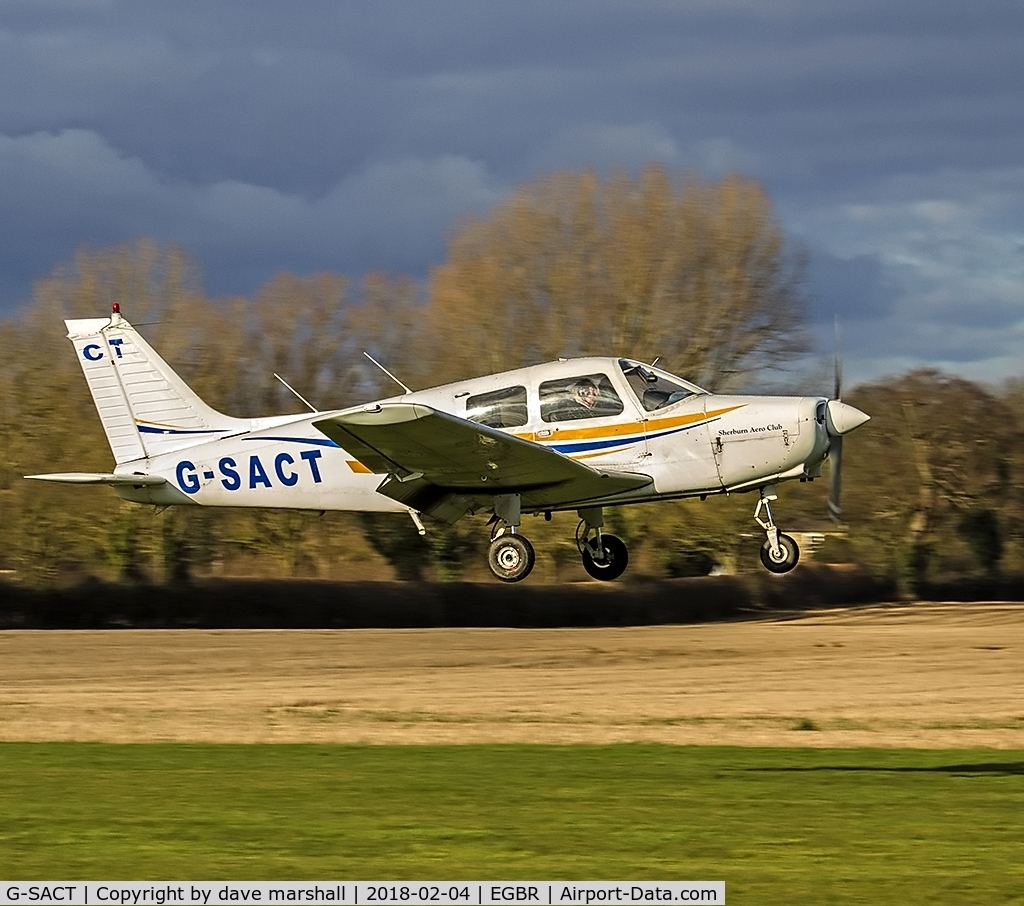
(697, 273)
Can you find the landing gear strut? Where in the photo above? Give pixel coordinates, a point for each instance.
(510, 555)
(779, 553)
(604, 556)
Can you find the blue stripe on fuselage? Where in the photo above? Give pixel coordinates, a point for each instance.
(586, 446)
(326, 442)
(153, 429)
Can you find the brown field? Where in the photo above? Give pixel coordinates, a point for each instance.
(923, 675)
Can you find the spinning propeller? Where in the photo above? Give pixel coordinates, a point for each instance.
(840, 419)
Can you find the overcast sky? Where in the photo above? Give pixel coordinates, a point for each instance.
(351, 136)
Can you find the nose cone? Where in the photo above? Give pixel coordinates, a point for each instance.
(841, 418)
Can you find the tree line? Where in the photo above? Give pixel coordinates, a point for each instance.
(697, 273)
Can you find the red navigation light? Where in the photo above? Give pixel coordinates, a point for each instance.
(116, 308)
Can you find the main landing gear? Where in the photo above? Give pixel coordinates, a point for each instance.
(511, 557)
(779, 553)
(604, 556)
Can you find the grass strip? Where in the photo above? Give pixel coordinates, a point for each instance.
(778, 825)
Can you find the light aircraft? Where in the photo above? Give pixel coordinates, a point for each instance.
(577, 434)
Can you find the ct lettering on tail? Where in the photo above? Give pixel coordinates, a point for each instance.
(94, 352)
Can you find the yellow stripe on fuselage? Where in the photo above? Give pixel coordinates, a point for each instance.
(662, 424)
(627, 428)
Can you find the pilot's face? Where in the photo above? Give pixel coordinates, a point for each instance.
(587, 396)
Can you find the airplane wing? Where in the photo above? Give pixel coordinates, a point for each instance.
(440, 464)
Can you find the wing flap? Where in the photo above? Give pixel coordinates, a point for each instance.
(420, 495)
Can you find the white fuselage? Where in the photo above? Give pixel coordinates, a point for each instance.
(703, 443)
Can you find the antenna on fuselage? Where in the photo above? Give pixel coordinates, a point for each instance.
(312, 408)
(388, 373)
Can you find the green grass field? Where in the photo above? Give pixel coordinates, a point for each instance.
(778, 825)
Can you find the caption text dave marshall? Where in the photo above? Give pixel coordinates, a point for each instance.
(360, 893)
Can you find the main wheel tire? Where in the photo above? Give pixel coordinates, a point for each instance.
(616, 556)
(789, 554)
(510, 557)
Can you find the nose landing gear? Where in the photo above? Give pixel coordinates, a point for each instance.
(779, 553)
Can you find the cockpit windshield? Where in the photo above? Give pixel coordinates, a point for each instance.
(655, 388)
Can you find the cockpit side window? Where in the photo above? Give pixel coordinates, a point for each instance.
(582, 396)
(655, 388)
(505, 408)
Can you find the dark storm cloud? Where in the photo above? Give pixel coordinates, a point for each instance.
(250, 91)
(232, 225)
(848, 289)
(304, 136)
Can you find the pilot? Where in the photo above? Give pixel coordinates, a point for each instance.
(584, 399)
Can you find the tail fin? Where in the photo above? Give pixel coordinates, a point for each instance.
(145, 408)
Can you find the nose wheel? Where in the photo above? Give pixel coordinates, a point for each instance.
(783, 557)
(779, 553)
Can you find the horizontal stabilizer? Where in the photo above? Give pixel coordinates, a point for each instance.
(101, 478)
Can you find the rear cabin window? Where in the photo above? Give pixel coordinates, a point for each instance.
(504, 408)
(582, 396)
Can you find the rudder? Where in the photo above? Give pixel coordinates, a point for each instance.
(145, 408)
